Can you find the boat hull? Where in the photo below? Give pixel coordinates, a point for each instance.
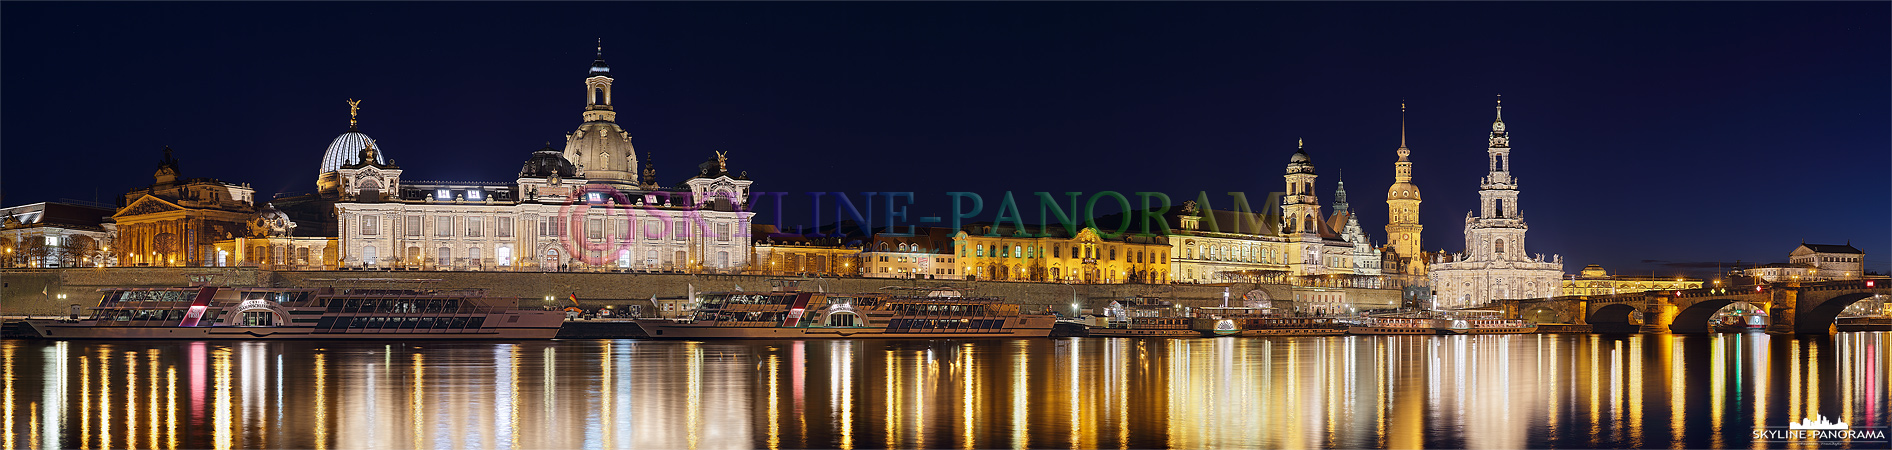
(1373, 330)
(1498, 330)
(1135, 332)
(1263, 332)
(51, 329)
(675, 330)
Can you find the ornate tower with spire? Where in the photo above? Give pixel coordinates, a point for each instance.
(1494, 265)
(1366, 259)
(1300, 216)
(1300, 208)
(601, 149)
(1402, 210)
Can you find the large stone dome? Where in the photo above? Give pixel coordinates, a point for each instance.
(346, 149)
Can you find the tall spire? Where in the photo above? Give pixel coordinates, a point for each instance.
(1340, 193)
(1402, 125)
(1498, 136)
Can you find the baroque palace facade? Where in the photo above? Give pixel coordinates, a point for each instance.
(581, 208)
(1494, 265)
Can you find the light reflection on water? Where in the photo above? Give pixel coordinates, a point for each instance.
(1519, 391)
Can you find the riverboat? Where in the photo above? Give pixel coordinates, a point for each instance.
(1250, 321)
(1481, 322)
(210, 312)
(1139, 318)
(794, 314)
(1392, 325)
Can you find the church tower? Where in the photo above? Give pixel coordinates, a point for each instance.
(1402, 209)
(1498, 233)
(599, 148)
(1493, 265)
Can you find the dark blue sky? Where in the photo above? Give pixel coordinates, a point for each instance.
(1648, 137)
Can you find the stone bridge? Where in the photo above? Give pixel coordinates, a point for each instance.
(1797, 308)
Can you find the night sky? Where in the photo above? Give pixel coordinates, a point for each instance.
(1649, 138)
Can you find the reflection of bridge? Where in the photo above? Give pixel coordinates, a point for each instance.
(1799, 308)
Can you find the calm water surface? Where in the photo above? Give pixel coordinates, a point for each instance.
(1524, 391)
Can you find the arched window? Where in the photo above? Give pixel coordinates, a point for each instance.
(1500, 247)
(1497, 207)
(1307, 224)
(445, 255)
(597, 96)
(504, 255)
(367, 252)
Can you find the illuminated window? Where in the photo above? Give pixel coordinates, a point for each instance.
(475, 194)
(443, 194)
(594, 197)
(504, 255)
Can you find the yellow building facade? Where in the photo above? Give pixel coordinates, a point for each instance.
(1004, 254)
(1593, 280)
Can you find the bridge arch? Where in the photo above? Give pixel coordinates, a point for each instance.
(1544, 313)
(1820, 317)
(1617, 318)
(1694, 319)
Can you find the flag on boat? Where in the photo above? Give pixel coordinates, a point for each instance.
(574, 297)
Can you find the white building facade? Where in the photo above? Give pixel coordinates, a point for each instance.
(1494, 265)
(556, 215)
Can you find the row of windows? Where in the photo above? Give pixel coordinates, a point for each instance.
(444, 226)
(1242, 253)
(904, 270)
(897, 325)
(1019, 251)
(419, 324)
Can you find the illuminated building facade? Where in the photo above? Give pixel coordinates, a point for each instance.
(1494, 265)
(1830, 262)
(1304, 248)
(1593, 280)
(556, 215)
(928, 254)
(1815, 262)
(174, 221)
(53, 235)
(777, 253)
(1006, 253)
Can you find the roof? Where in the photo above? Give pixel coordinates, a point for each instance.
(57, 215)
(1833, 248)
(346, 150)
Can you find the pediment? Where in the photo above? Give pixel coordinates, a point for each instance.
(147, 205)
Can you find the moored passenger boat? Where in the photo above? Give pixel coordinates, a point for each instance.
(1475, 321)
(1486, 326)
(1392, 325)
(1138, 318)
(1249, 321)
(211, 312)
(816, 315)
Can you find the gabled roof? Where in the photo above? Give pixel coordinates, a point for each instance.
(148, 204)
(1832, 248)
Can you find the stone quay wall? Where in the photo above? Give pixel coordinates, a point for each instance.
(22, 291)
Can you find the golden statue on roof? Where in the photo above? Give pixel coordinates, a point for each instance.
(353, 107)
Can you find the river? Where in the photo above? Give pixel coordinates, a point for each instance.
(1509, 391)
